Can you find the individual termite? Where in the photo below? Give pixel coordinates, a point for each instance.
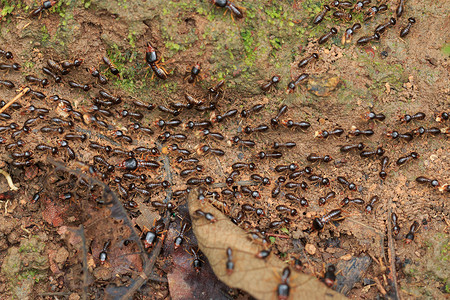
(277, 145)
(215, 135)
(220, 118)
(57, 67)
(67, 64)
(206, 215)
(43, 82)
(231, 177)
(284, 209)
(132, 164)
(190, 160)
(96, 73)
(382, 27)
(369, 153)
(205, 149)
(360, 5)
(168, 110)
(279, 223)
(319, 223)
(400, 8)
(342, 15)
(347, 148)
(6, 54)
(229, 265)
(281, 111)
(238, 141)
(17, 144)
(216, 91)
(347, 201)
(120, 135)
(108, 96)
(152, 60)
(181, 151)
(396, 135)
(70, 153)
(373, 116)
(394, 221)
(259, 128)
(44, 6)
(373, 11)
(405, 31)
(325, 134)
(27, 155)
(170, 123)
(349, 32)
(412, 230)
(421, 131)
(384, 164)
(126, 113)
(322, 180)
(273, 154)
(301, 200)
(405, 159)
(277, 189)
(110, 65)
(408, 118)
(47, 129)
(357, 132)
(295, 185)
(247, 112)
(293, 84)
(180, 237)
(282, 168)
(138, 127)
(341, 4)
(242, 165)
(147, 151)
(233, 8)
(292, 124)
(141, 104)
(330, 276)
(328, 196)
(163, 206)
(273, 82)
(249, 192)
(188, 172)
(37, 94)
(324, 38)
(249, 208)
(443, 116)
(151, 235)
(351, 186)
(74, 137)
(103, 256)
(197, 124)
(172, 136)
(424, 180)
(308, 59)
(366, 39)
(199, 181)
(319, 18)
(14, 66)
(49, 72)
(369, 208)
(100, 160)
(314, 157)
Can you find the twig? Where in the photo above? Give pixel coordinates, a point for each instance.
(9, 180)
(391, 254)
(380, 286)
(17, 97)
(148, 269)
(85, 268)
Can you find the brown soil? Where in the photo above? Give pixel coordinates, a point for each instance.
(71, 232)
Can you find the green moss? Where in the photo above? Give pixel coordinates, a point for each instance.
(446, 49)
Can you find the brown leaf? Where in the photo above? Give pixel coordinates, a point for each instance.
(323, 85)
(258, 277)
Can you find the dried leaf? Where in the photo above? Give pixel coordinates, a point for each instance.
(258, 277)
